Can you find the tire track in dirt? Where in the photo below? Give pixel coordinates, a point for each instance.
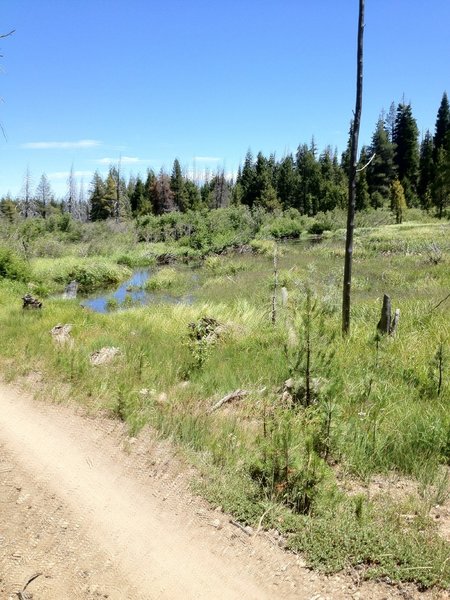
(105, 516)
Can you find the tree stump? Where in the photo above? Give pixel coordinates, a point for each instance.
(387, 324)
(30, 303)
(384, 324)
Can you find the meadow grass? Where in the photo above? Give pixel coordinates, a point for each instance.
(382, 405)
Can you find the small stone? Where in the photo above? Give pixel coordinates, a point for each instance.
(249, 529)
(216, 523)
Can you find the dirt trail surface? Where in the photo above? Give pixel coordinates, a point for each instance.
(100, 515)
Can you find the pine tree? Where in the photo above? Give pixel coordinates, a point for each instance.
(398, 202)
(441, 183)
(406, 142)
(99, 208)
(247, 181)
(139, 204)
(150, 190)
(380, 172)
(426, 169)
(442, 127)
(390, 122)
(9, 210)
(265, 192)
(309, 179)
(44, 196)
(287, 182)
(177, 185)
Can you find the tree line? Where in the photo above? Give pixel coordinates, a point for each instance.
(394, 170)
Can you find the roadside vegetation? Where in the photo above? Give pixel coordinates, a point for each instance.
(314, 417)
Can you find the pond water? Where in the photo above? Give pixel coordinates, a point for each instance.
(132, 293)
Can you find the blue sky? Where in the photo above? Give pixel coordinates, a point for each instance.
(84, 82)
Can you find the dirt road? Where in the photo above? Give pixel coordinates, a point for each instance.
(100, 515)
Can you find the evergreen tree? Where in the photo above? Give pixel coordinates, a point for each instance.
(194, 199)
(390, 122)
(329, 195)
(426, 169)
(309, 179)
(406, 136)
(380, 172)
(264, 190)
(139, 203)
(442, 127)
(150, 190)
(9, 210)
(44, 196)
(99, 209)
(441, 183)
(247, 181)
(177, 185)
(287, 182)
(398, 201)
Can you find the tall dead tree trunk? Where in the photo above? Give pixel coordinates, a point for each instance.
(346, 296)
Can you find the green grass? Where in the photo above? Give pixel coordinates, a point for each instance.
(379, 409)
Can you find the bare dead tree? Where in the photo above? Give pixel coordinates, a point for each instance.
(27, 195)
(346, 295)
(72, 193)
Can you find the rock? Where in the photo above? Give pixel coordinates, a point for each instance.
(217, 524)
(162, 398)
(289, 383)
(103, 356)
(61, 334)
(249, 529)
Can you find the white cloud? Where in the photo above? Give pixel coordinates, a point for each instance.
(124, 160)
(207, 158)
(61, 145)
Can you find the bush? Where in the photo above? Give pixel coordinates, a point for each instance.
(287, 225)
(13, 266)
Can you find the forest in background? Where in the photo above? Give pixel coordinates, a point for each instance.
(401, 172)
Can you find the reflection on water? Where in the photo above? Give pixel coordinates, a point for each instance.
(131, 293)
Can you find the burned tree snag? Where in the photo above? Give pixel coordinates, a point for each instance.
(384, 324)
(388, 325)
(346, 293)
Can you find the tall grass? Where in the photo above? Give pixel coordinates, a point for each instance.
(379, 405)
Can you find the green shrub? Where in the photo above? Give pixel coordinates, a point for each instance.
(13, 266)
